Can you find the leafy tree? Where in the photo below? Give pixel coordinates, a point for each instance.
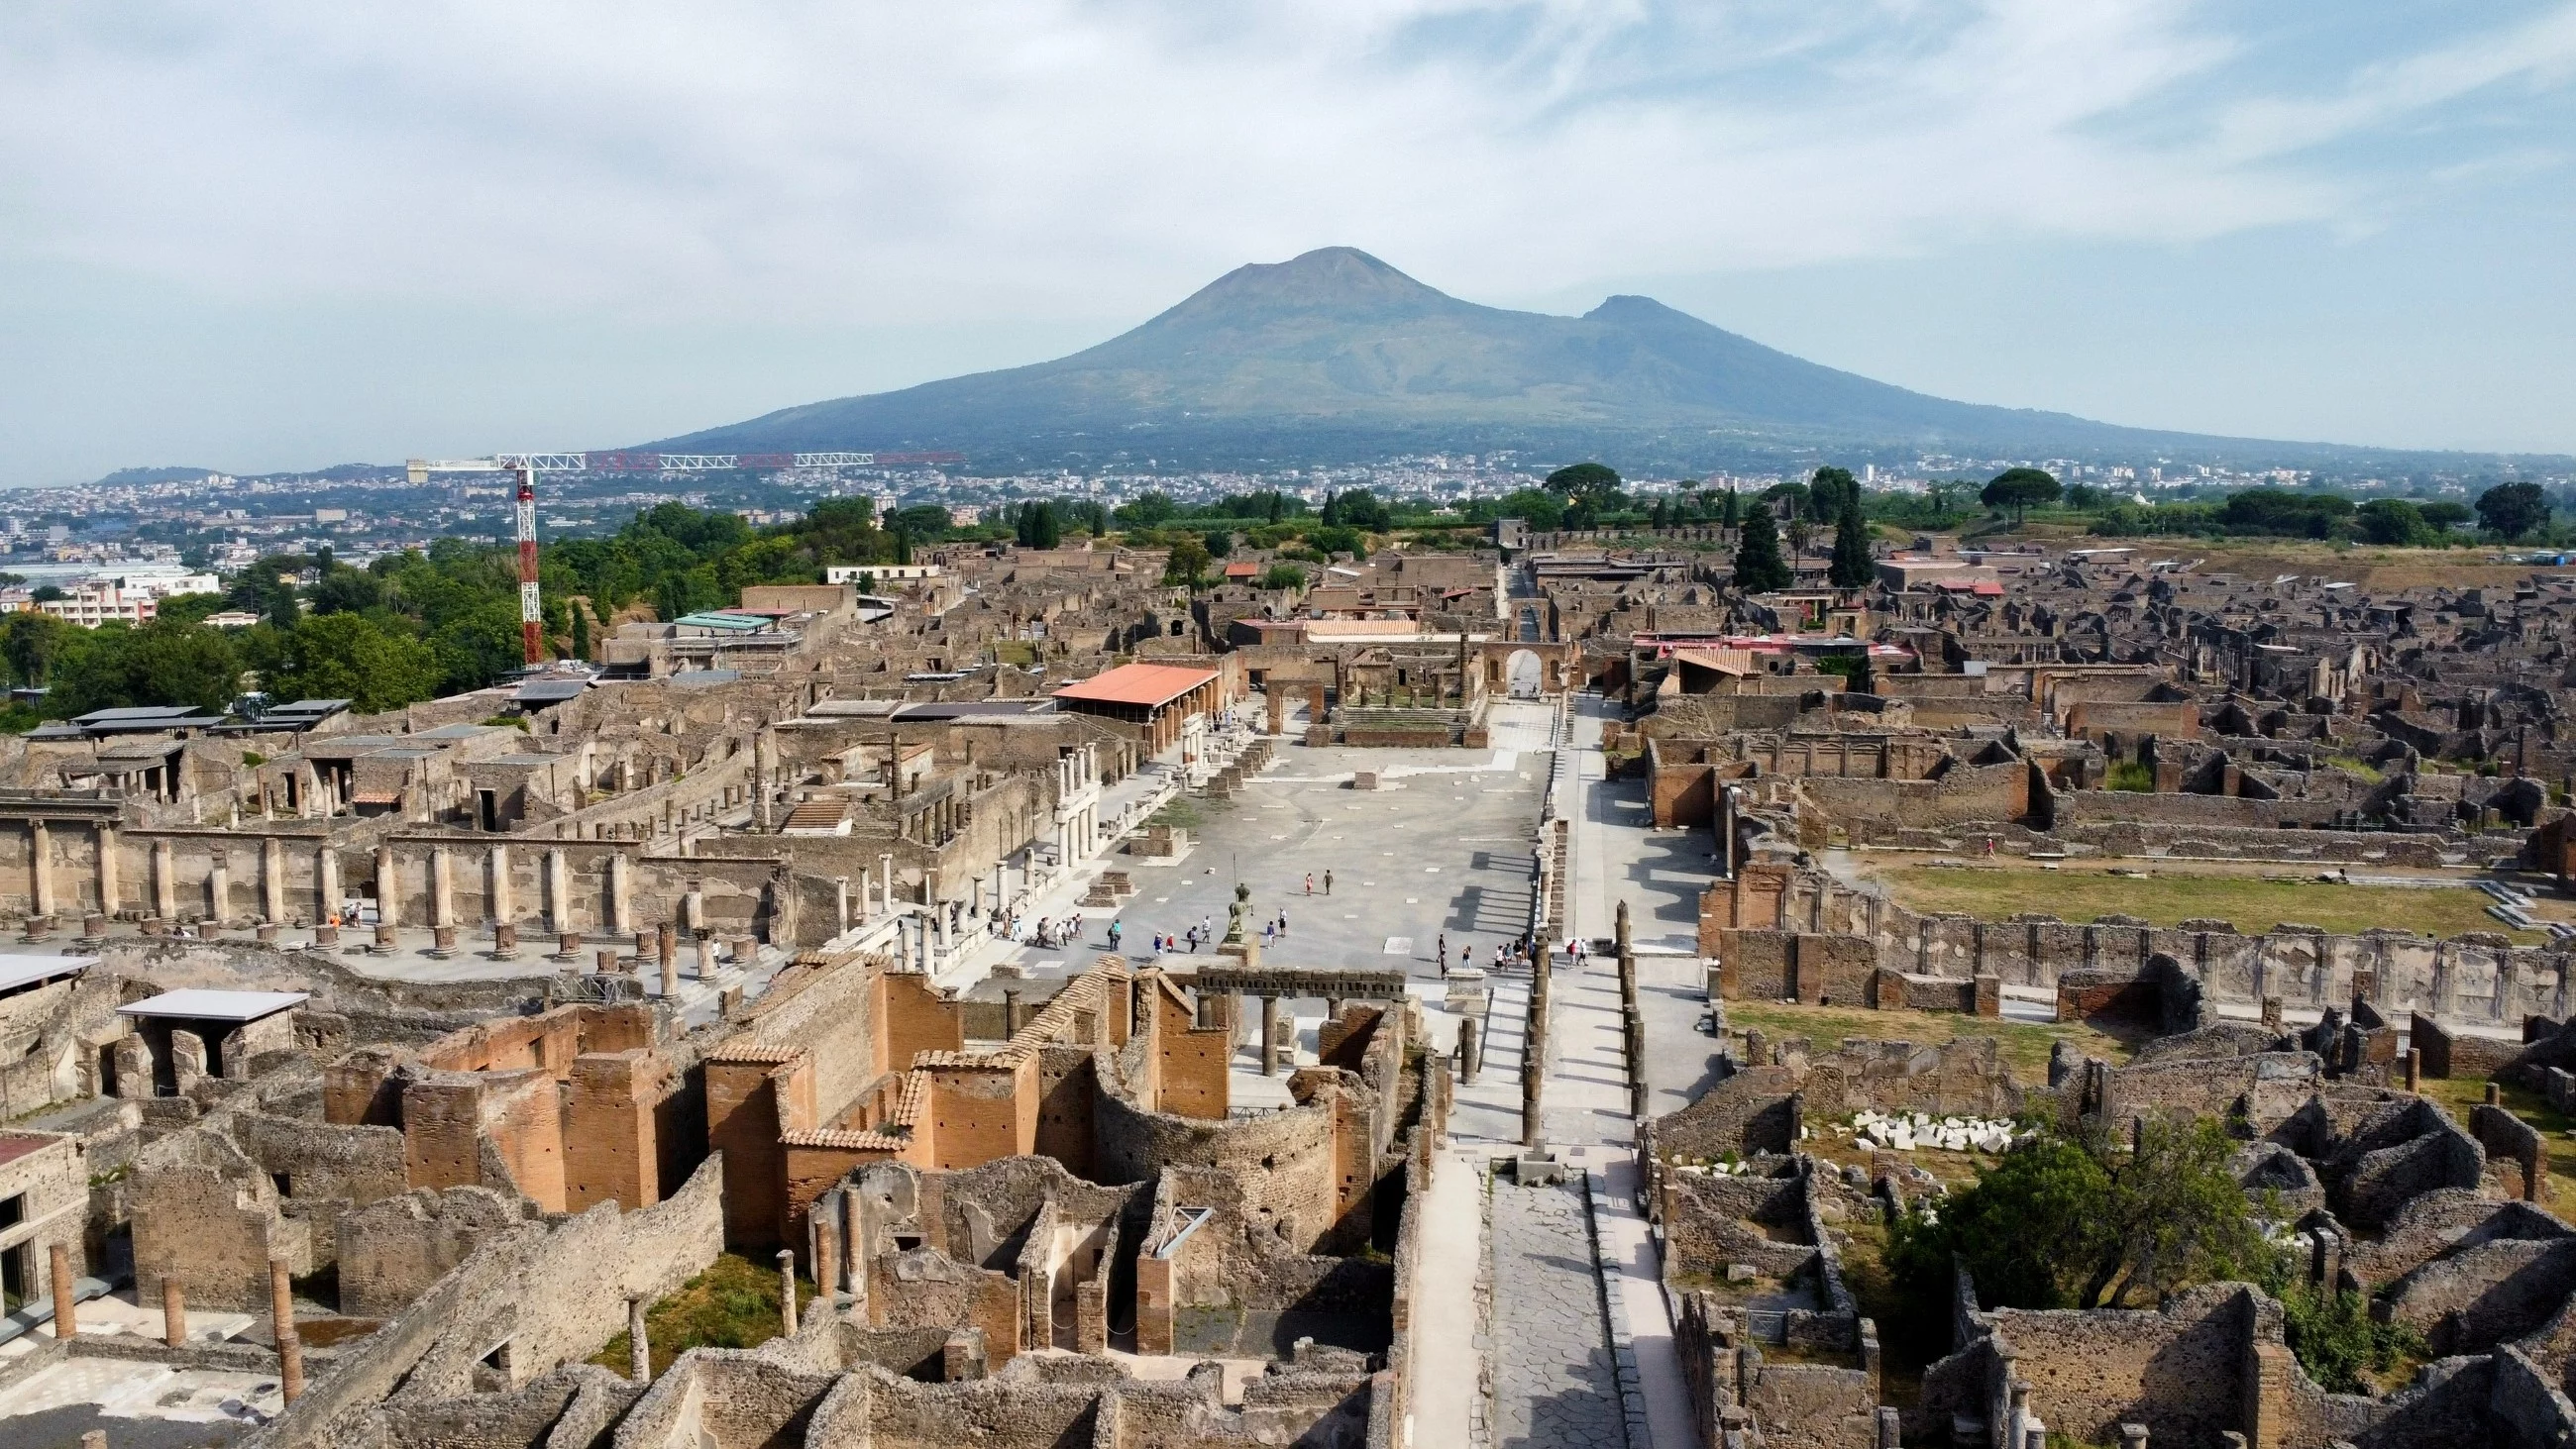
(1789, 501)
(1284, 576)
(1592, 481)
(921, 520)
(2392, 521)
(2063, 1222)
(1218, 542)
(1542, 510)
(2513, 510)
(1147, 510)
(2085, 497)
(1851, 567)
(1759, 569)
(344, 590)
(1335, 540)
(1187, 565)
(31, 642)
(2019, 489)
(1829, 490)
(2444, 513)
(47, 593)
(116, 665)
(2334, 1338)
(347, 656)
(1357, 508)
(2285, 511)
(1037, 526)
(1799, 532)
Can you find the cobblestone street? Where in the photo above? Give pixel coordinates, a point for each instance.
(1554, 1380)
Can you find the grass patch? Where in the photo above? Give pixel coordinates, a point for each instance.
(1185, 813)
(1021, 652)
(2131, 776)
(2025, 1044)
(733, 1304)
(2252, 903)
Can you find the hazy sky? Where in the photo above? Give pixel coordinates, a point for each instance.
(259, 235)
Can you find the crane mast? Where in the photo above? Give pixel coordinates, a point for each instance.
(528, 465)
(531, 622)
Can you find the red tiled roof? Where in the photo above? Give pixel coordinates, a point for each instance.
(1145, 684)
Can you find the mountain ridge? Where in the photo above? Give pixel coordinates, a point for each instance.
(1335, 351)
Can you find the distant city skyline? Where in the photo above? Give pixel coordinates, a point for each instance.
(275, 236)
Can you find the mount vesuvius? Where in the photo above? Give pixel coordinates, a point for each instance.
(1336, 355)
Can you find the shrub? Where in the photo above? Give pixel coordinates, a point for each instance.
(2131, 775)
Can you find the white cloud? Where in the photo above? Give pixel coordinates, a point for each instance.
(802, 172)
(905, 164)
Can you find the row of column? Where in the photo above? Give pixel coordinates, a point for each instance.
(46, 900)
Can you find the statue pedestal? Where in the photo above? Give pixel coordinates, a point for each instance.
(1247, 953)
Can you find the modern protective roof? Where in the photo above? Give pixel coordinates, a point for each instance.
(27, 970)
(549, 691)
(200, 1004)
(1145, 684)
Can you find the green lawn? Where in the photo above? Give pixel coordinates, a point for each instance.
(2167, 897)
(733, 1304)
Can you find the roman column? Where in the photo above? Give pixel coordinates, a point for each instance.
(110, 896)
(621, 894)
(40, 860)
(272, 879)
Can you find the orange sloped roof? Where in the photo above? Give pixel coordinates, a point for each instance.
(1145, 684)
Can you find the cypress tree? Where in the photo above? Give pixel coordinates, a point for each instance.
(1734, 514)
(580, 630)
(1759, 569)
(1851, 566)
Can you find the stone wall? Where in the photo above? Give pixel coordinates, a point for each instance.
(1283, 1162)
(2448, 1054)
(528, 1300)
(393, 1250)
(2479, 977)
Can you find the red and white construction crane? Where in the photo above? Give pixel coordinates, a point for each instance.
(528, 465)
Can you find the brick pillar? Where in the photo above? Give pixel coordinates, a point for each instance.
(174, 1313)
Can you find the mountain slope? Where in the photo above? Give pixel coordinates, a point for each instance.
(1339, 351)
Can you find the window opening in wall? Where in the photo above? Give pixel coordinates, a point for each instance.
(906, 1242)
(16, 1271)
(499, 1357)
(13, 1210)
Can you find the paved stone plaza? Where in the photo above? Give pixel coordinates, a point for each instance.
(1442, 845)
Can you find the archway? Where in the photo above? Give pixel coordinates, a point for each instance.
(1523, 674)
